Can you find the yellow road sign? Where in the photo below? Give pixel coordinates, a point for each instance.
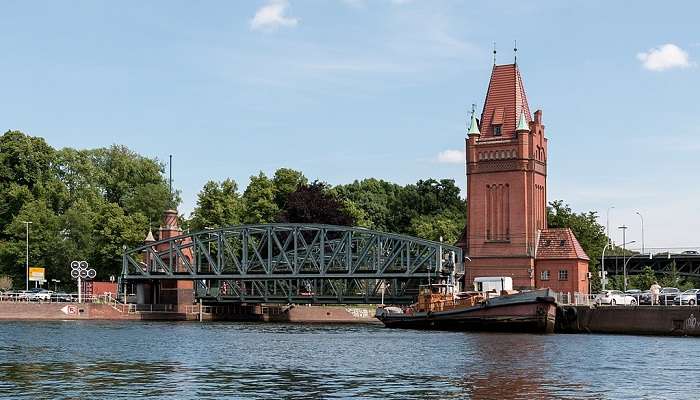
(36, 274)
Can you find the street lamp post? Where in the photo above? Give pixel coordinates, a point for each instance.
(27, 260)
(603, 278)
(642, 218)
(624, 264)
(607, 223)
(602, 266)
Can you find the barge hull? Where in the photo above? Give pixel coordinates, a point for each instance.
(534, 318)
(533, 311)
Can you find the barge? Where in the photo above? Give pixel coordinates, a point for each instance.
(439, 307)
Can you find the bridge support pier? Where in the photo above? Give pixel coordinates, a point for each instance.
(178, 293)
(144, 293)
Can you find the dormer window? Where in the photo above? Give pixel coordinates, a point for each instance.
(497, 130)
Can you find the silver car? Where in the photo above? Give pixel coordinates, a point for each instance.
(689, 297)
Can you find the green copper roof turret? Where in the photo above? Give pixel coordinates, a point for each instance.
(522, 124)
(473, 126)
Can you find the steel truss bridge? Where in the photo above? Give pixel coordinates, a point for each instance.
(296, 263)
(686, 265)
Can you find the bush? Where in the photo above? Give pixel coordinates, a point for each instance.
(5, 282)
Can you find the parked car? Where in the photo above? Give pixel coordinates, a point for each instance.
(645, 297)
(61, 296)
(614, 297)
(691, 253)
(23, 295)
(667, 294)
(689, 297)
(40, 294)
(636, 293)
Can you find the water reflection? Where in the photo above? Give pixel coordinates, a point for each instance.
(226, 360)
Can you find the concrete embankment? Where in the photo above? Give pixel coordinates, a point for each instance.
(326, 314)
(635, 320)
(291, 313)
(61, 311)
(273, 313)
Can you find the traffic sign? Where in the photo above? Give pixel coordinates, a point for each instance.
(36, 274)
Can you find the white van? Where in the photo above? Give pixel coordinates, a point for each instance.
(493, 283)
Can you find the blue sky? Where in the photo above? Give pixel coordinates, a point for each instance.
(349, 89)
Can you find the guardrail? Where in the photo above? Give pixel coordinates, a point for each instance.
(582, 299)
(54, 298)
(109, 299)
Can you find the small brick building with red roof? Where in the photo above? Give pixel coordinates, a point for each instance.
(506, 232)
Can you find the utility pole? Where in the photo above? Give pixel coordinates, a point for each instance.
(27, 260)
(642, 218)
(624, 264)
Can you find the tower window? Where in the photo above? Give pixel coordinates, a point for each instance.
(544, 275)
(497, 130)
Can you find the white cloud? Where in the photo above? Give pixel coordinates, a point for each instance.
(664, 57)
(272, 16)
(452, 157)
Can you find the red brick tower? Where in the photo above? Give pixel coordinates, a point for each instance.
(176, 292)
(506, 184)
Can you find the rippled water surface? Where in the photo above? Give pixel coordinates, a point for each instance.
(103, 360)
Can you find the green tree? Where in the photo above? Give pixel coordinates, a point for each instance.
(113, 230)
(373, 199)
(24, 160)
(314, 203)
(445, 226)
(590, 234)
(259, 200)
(83, 204)
(286, 181)
(134, 182)
(644, 280)
(428, 197)
(46, 246)
(218, 204)
(673, 278)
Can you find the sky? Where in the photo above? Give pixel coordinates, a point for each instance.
(350, 89)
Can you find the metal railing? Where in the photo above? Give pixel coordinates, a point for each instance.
(584, 299)
(23, 296)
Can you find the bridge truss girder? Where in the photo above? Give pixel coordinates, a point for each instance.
(685, 265)
(310, 291)
(326, 257)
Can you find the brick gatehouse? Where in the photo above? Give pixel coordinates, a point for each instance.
(506, 232)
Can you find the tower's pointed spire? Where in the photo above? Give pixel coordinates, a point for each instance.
(505, 100)
(522, 123)
(473, 124)
(149, 237)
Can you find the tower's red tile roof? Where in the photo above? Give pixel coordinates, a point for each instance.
(559, 243)
(505, 100)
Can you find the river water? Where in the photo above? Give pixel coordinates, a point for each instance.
(107, 360)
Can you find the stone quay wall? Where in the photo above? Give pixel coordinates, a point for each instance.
(636, 320)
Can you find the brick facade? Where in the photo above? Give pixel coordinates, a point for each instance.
(507, 196)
